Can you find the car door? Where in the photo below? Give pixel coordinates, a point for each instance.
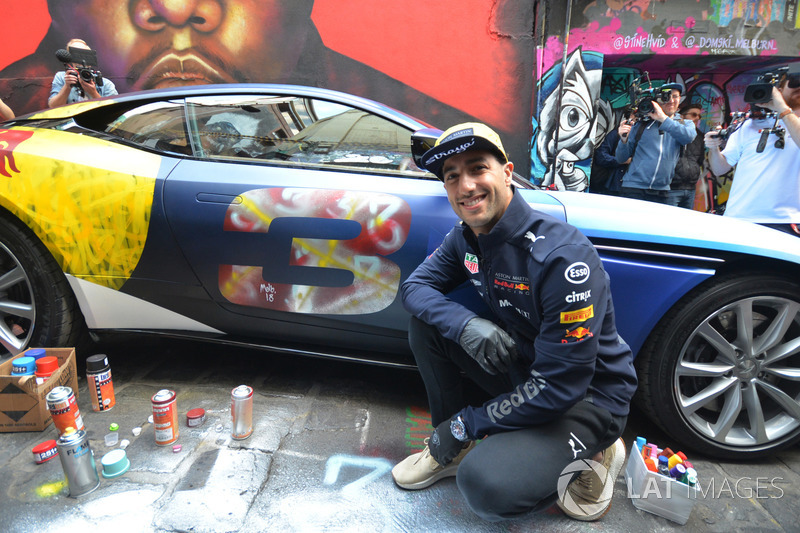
(301, 216)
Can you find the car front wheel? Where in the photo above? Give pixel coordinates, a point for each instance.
(721, 374)
(37, 307)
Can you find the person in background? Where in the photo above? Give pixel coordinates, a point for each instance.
(606, 177)
(766, 183)
(689, 168)
(69, 87)
(653, 146)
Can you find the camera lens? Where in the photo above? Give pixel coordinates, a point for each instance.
(86, 75)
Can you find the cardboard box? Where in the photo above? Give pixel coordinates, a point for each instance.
(656, 493)
(22, 401)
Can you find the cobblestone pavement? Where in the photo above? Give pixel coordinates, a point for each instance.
(326, 436)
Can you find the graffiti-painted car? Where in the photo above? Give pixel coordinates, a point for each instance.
(287, 217)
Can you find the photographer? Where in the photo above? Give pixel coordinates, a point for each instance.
(606, 177)
(766, 184)
(69, 86)
(653, 145)
(690, 163)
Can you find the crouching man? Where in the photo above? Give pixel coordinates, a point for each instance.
(558, 377)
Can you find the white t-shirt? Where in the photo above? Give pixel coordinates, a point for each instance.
(766, 185)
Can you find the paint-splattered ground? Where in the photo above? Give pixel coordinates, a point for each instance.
(326, 436)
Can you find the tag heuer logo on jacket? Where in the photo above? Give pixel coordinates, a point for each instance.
(471, 262)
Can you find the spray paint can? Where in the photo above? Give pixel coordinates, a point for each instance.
(242, 412)
(165, 417)
(98, 378)
(64, 409)
(77, 460)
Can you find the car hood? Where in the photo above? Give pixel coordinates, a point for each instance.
(614, 218)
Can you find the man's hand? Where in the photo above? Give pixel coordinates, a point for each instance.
(71, 78)
(658, 113)
(712, 139)
(624, 129)
(89, 88)
(444, 447)
(776, 103)
(489, 345)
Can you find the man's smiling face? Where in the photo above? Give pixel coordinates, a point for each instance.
(478, 187)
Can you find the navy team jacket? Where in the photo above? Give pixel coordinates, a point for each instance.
(547, 288)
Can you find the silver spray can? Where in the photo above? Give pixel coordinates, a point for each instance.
(78, 462)
(242, 412)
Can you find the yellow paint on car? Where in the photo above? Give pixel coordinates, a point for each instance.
(70, 110)
(88, 200)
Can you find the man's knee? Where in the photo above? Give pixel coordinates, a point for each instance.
(485, 494)
(494, 497)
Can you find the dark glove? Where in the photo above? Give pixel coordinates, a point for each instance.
(489, 345)
(443, 445)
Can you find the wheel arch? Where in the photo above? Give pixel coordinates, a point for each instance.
(57, 320)
(651, 397)
(31, 225)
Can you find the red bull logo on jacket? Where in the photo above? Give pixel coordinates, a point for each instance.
(578, 334)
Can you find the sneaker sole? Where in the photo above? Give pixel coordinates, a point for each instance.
(448, 471)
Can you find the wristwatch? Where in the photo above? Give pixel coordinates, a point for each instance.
(458, 429)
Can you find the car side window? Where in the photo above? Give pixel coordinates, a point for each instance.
(157, 125)
(296, 131)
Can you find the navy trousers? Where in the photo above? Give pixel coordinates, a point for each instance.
(516, 472)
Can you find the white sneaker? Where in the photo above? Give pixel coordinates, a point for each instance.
(420, 470)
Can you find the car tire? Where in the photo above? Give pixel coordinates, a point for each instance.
(37, 306)
(721, 372)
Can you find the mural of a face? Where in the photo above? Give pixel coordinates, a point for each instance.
(572, 130)
(163, 43)
(574, 123)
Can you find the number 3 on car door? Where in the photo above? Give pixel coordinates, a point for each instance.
(327, 249)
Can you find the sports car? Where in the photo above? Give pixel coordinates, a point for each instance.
(287, 217)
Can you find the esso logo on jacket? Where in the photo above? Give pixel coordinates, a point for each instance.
(577, 273)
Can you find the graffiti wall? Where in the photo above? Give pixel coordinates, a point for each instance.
(444, 62)
(551, 77)
(589, 52)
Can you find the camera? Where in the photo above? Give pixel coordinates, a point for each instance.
(84, 62)
(737, 119)
(642, 98)
(760, 91)
(90, 75)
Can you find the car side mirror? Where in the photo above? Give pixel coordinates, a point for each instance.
(422, 141)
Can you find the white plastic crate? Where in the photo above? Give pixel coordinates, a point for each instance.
(656, 493)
